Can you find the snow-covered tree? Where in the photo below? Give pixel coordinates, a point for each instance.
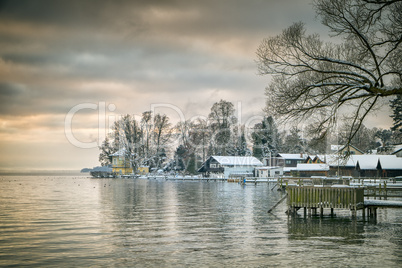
(162, 133)
(199, 139)
(293, 142)
(146, 129)
(106, 150)
(265, 138)
(315, 79)
(364, 139)
(221, 119)
(238, 144)
(143, 142)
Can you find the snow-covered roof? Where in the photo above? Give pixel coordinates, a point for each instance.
(321, 157)
(366, 162)
(370, 162)
(397, 148)
(391, 163)
(348, 147)
(238, 160)
(294, 156)
(312, 167)
(289, 169)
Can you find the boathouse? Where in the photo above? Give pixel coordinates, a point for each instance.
(308, 170)
(288, 160)
(225, 166)
(364, 165)
(391, 167)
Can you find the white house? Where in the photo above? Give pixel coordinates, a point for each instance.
(225, 166)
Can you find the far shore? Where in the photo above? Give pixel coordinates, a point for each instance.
(42, 173)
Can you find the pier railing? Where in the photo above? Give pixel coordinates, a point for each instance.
(325, 197)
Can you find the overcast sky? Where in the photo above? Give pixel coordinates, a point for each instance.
(126, 57)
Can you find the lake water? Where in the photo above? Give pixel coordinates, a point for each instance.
(82, 222)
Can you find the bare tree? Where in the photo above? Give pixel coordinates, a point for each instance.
(199, 137)
(146, 129)
(221, 119)
(314, 79)
(162, 133)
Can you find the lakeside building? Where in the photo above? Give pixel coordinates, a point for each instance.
(309, 170)
(364, 165)
(346, 149)
(286, 160)
(143, 170)
(230, 166)
(268, 172)
(356, 164)
(120, 163)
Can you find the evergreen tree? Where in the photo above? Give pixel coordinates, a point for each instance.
(106, 150)
(191, 164)
(396, 105)
(385, 136)
(294, 143)
(179, 157)
(265, 138)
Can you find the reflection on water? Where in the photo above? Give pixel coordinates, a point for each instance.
(337, 228)
(76, 221)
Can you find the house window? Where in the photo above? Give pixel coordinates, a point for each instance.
(277, 172)
(212, 166)
(288, 162)
(114, 161)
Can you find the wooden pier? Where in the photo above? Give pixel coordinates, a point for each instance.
(373, 205)
(311, 198)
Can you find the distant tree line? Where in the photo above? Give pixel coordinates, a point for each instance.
(153, 141)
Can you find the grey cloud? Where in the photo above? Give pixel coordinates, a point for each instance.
(8, 90)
